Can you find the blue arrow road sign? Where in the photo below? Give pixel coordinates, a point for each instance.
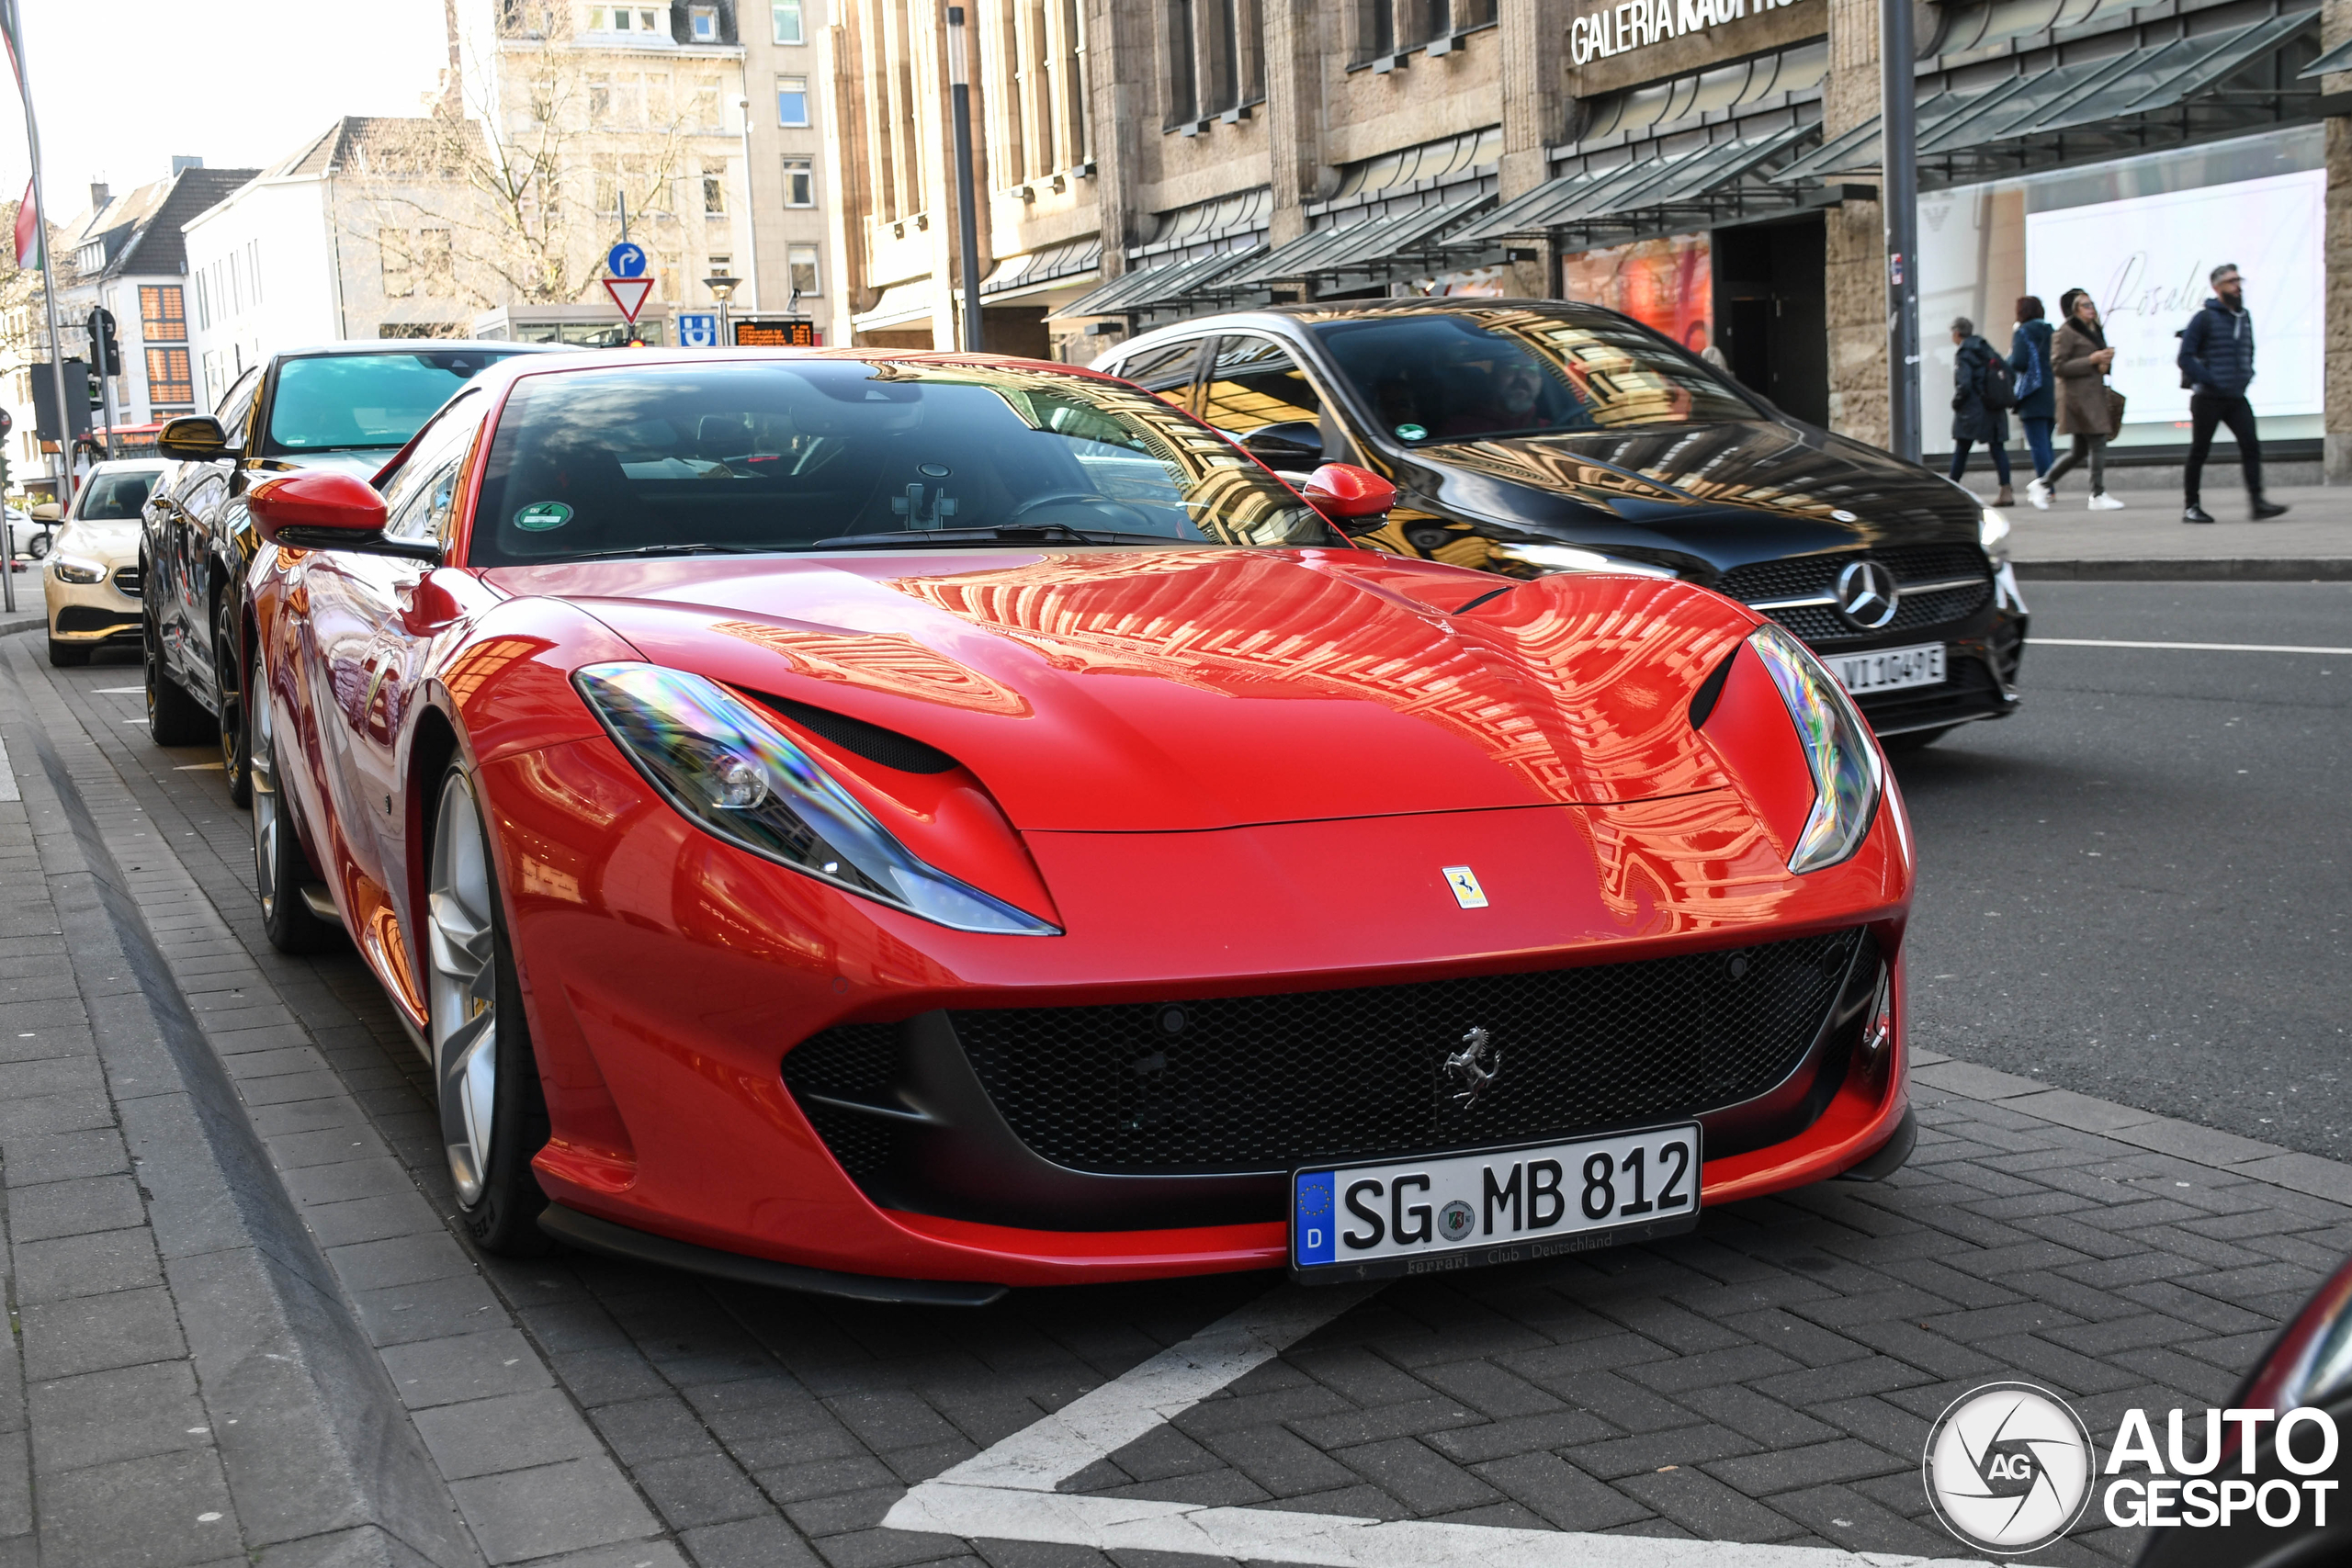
(697, 329)
(626, 260)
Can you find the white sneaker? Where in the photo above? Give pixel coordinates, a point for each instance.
(2038, 493)
(2106, 503)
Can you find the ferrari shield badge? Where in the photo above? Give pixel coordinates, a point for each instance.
(1467, 891)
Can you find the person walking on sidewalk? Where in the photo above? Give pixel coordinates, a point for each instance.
(2217, 366)
(2029, 373)
(1980, 397)
(2088, 409)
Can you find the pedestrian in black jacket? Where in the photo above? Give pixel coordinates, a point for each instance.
(1972, 418)
(2217, 363)
(2037, 389)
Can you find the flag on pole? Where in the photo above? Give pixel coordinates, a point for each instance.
(28, 231)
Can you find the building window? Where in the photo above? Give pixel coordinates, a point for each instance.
(722, 267)
(800, 270)
(1184, 96)
(799, 182)
(792, 100)
(714, 190)
(702, 23)
(168, 379)
(787, 15)
(162, 313)
(627, 19)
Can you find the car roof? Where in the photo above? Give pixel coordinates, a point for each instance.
(130, 466)
(634, 358)
(1318, 312)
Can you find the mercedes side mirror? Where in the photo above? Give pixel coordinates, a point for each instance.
(1356, 501)
(49, 512)
(193, 438)
(1294, 444)
(318, 510)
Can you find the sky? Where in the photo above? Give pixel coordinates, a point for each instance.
(123, 86)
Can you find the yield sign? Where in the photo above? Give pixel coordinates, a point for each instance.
(628, 293)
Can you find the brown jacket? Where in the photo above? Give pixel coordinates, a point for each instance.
(2082, 386)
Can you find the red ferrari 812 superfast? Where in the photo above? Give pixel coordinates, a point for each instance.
(910, 826)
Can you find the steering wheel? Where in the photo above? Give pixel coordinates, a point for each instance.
(1113, 514)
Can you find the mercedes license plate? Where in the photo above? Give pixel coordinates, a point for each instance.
(1892, 668)
(1425, 1216)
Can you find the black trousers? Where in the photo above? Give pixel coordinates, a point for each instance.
(2207, 409)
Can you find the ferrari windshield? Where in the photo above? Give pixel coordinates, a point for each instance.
(1472, 375)
(326, 402)
(837, 454)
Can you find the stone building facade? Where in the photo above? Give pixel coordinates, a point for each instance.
(1708, 165)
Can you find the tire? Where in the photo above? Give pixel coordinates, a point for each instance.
(229, 666)
(66, 655)
(280, 868)
(1913, 740)
(38, 546)
(174, 719)
(494, 1113)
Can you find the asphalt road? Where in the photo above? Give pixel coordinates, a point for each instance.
(2136, 887)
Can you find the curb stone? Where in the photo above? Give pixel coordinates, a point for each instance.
(2187, 568)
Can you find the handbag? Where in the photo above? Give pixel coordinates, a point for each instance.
(2030, 379)
(2115, 405)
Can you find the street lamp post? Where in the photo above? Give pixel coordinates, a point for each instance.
(1899, 202)
(967, 208)
(722, 288)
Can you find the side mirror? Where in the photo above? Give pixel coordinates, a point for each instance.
(318, 511)
(1357, 500)
(193, 437)
(49, 512)
(1294, 444)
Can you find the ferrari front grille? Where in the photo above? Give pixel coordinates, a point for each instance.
(1244, 1084)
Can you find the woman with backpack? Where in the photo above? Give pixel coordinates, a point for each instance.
(1982, 392)
(2030, 368)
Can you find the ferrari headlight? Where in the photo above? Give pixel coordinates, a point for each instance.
(1993, 533)
(1847, 777)
(736, 776)
(73, 568)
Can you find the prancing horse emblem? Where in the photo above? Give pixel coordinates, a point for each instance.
(1471, 1071)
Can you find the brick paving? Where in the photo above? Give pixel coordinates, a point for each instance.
(1769, 1377)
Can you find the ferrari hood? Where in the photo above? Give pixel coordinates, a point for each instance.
(1191, 689)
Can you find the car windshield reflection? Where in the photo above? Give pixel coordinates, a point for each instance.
(807, 454)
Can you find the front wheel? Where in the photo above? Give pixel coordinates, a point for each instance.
(494, 1114)
(228, 676)
(65, 655)
(280, 868)
(38, 546)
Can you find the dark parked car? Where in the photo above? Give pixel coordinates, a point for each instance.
(349, 406)
(1531, 436)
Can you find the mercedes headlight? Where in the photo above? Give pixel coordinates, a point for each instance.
(1847, 771)
(736, 776)
(1993, 533)
(73, 568)
(1570, 558)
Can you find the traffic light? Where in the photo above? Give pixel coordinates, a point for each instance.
(106, 354)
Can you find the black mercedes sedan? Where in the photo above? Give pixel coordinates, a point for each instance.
(1528, 437)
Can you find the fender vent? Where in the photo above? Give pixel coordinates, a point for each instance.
(871, 741)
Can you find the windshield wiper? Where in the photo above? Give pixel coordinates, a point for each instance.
(1011, 534)
(675, 548)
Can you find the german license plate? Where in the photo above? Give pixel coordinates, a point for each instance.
(1425, 1216)
(1892, 668)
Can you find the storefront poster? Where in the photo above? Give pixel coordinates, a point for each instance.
(2144, 260)
(1667, 284)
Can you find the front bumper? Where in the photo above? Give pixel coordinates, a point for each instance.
(671, 1107)
(105, 611)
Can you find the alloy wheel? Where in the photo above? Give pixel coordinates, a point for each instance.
(229, 682)
(463, 987)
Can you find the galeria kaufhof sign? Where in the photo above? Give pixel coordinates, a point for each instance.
(1640, 23)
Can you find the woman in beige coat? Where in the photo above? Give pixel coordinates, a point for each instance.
(2079, 361)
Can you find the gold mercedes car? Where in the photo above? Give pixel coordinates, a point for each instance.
(91, 578)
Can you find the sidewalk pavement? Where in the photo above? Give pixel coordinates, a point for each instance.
(2147, 540)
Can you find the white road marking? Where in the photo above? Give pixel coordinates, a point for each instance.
(7, 776)
(2185, 647)
(201, 768)
(115, 691)
(1007, 1493)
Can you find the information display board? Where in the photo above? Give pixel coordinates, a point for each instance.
(777, 331)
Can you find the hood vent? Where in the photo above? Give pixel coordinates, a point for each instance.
(871, 741)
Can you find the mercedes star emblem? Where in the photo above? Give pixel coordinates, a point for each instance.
(1866, 595)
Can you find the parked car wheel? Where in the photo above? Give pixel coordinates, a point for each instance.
(493, 1115)
(280, 868)
(174, 718)
(236, 749)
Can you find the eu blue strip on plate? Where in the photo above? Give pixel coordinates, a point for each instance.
(1313, 1221)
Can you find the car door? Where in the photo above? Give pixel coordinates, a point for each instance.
(375, 659)
(186, 620)
(1256, 390)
